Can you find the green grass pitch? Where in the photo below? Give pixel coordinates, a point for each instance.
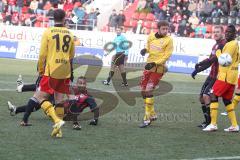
(173, 136)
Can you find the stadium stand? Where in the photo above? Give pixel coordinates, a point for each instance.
(187, 17)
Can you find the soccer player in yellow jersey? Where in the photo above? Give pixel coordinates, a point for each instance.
(160, 48)
(225, 84)
(55, 67)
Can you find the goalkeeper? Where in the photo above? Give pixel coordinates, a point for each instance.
(160, 48)
(212, 62)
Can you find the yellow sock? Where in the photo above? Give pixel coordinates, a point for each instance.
(149, 109)
(214, 112)
(50, 111)
(231, 114)
(59, 110)
(235, 101)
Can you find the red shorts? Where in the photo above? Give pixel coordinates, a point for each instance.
(238, 87)
(51, 85)
(150, 80)
(223, 89)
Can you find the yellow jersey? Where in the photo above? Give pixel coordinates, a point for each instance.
(56, 52)
(160, 50)
(229, 73)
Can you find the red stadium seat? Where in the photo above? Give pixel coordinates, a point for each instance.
(135, 15)
(154, 25)
(142, 16)
(37, 24)
(146, 24)
(127, 23)
(133, 23)
(150, 17)
(209, 28)
(25, 9)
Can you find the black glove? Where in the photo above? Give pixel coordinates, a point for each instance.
(194, 73)
(150, 65)
(143, 52)
(93, 122)
(72, 77)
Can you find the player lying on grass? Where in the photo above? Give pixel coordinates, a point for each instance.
(72, 108)
(78, 102)
(205, 64)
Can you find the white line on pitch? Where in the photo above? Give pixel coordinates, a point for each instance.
(216, 158)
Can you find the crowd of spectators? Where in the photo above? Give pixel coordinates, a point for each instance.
(39, 13)
(193, 18)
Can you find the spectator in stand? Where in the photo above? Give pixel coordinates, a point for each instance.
(47, 7)
(120, 19)
(194, 20)
(207, 10)
(97, 11)
(68, 5)
(176, 18)
(91, 19)
(33, 6)
(186, 12)
(40, 7)
(11, 6)
(182, 26)
(15, 19)
(8, 18)
(80, 13)
(20, 4)
(162, 3)
(3, 3)
(188, 30)
(112, 22)
(192, 6)
(200, 30)
(218, 10)
(50, 15)
(141, 4)
(162, 15)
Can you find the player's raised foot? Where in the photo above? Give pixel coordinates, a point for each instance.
(124, 84)
(19, 83)
(202, 125)
(145, 124)
(24, 124)
(12, 108)
(76, 126)
(57, 127)
(59, 134)
(224, 114)
(105, 82)
(210, 128)
(232, 129)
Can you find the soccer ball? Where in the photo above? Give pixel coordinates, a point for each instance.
(225, 59)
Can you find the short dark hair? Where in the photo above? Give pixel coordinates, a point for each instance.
(232, 28)
(162, 23)
(82, 77)
(220, 27)
(59, 15)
